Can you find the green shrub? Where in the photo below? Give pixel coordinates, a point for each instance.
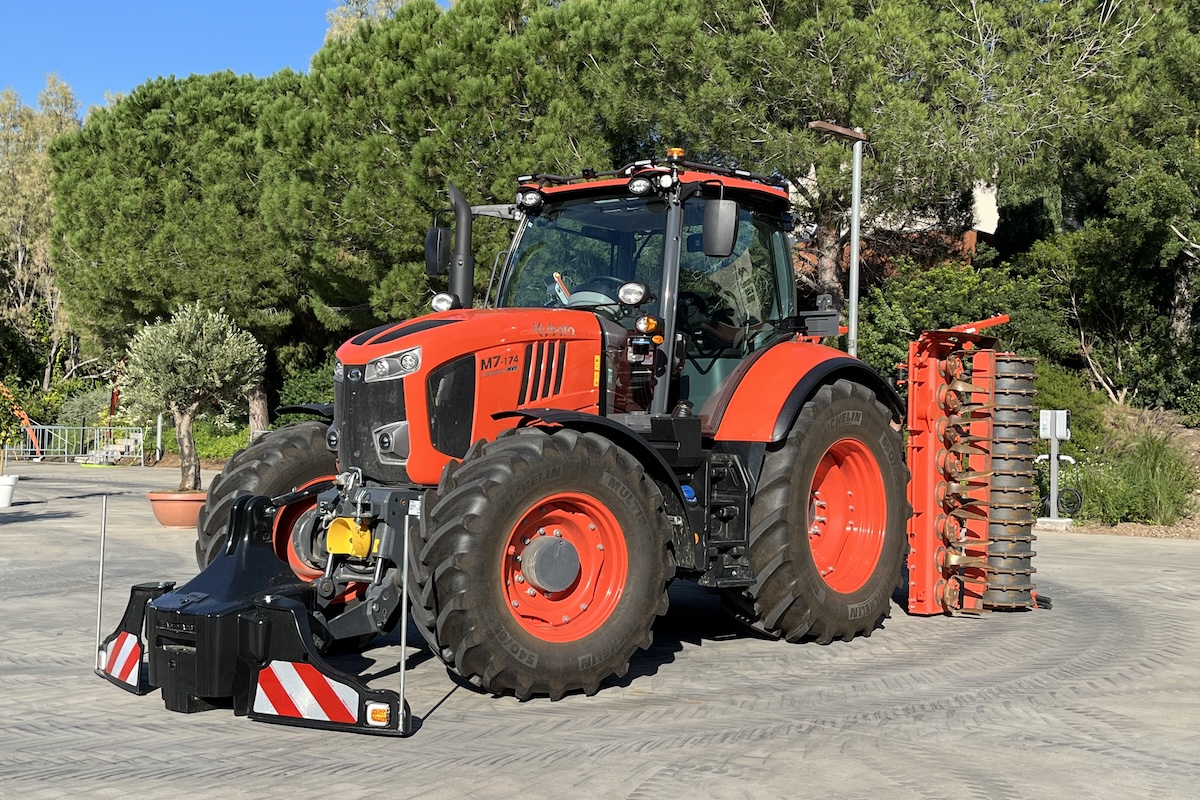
(213, 440)
(88, 407)
(1147, 478)
(312, 385)
(1058, 387)
(1188, 405)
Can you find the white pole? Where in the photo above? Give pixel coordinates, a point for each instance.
(404, 615)
(855, 213)
(100, 587)
(1053, 476)
(158, 453)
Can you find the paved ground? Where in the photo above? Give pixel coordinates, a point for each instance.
(1097, 698)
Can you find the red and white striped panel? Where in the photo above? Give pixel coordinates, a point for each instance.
(296, 689)
(123, 658)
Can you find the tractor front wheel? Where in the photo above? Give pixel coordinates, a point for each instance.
(274, 464)
(829, 519)
(549, 558)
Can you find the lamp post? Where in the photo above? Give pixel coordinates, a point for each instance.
(856, 136)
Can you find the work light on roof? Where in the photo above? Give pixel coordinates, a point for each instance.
(641, 185)
(529, 199)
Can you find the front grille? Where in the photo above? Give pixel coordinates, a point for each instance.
(452, 406)
(359, 409)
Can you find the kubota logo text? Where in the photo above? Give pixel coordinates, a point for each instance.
(553, 330)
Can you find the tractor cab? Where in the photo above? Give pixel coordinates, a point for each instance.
(687, 266)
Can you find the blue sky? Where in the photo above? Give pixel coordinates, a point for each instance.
(99, 47)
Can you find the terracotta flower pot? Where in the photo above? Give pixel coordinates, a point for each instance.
(176, 509)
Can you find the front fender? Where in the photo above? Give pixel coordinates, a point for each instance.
(623, 437)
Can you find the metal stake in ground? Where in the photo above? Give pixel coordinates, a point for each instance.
(100, 586)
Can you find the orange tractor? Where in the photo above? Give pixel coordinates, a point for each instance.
(639, 400)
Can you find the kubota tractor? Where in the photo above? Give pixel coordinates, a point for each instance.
(638, 401)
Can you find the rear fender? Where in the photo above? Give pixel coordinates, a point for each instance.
(761, 403)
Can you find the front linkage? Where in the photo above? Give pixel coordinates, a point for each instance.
(242, 632)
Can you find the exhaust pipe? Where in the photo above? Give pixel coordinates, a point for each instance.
(462, 263)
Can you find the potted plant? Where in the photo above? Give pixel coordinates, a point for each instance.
(198, 359)
(10, 425)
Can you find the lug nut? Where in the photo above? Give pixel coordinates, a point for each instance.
(531, 592)
(520, 578)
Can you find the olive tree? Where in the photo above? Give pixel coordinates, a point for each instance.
(197, 359)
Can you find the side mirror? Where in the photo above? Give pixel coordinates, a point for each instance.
(720, 227)
(437, 251)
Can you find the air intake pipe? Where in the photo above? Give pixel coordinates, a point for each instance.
(462, 262)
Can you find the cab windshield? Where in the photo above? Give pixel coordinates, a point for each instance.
(576, 253)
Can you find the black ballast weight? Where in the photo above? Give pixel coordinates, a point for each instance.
(193, 632)
(242, 633)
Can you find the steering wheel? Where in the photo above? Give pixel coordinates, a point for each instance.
(598, 285)
(699, 314)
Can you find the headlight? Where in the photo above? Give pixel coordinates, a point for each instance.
(632, 294)
(397, 365)
(442, 301)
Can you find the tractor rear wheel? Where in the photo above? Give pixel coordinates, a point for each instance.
(828, 523)
(548, 559)
(274, 464)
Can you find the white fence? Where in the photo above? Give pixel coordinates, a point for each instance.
(81, 445)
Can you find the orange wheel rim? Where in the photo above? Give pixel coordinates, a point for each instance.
(565, 566)
(847, 515)
(281, 532)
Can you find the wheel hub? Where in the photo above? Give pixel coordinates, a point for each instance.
(564, 567)
(847, 515)
(550, 564)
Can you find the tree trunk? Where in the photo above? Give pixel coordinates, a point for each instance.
(260, 419)
(827, 241)
(1182, 300)
(189, 459)
(48, 373)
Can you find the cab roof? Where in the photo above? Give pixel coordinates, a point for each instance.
(686, 171)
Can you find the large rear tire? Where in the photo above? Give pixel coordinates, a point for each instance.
(548, 559)
(274, 464)
(828, 523)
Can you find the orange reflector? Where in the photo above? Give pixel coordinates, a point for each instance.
(378, 715)
(674, 152)
(656, 339)
(646, 324)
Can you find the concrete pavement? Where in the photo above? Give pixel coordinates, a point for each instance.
(1096, 698)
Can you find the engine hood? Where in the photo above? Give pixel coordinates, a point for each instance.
(453, 333)
(452, 377)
